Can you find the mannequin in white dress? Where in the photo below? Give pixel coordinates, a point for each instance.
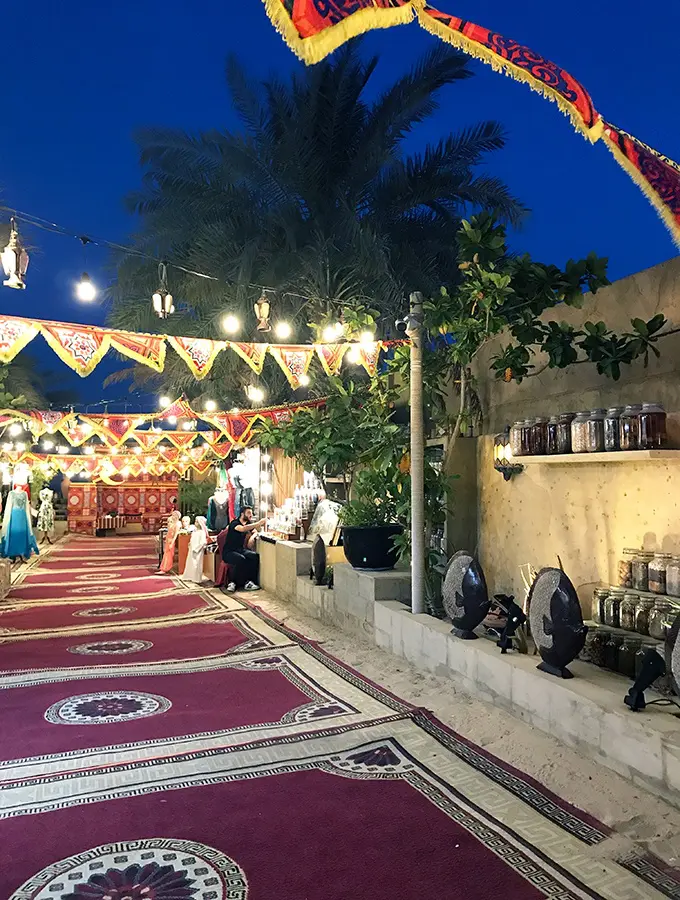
(193, 569)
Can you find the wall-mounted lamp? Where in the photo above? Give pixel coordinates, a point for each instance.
(502, 456)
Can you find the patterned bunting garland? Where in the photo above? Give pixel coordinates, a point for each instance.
(198, 353)
(15, 334)
(315, 28)
(253, 354)
(80, 347)
(293, 360)
(330, 356)
(147, 349)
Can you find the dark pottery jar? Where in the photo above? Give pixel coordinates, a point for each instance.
(539, 436)
(627, 655)
(611, 652)
(551, 443)
(596, 645)
(595, 431)
(629, 427)
(627, 611)
(611, 428)
(564, 432)
(643, 611)
(652, 426)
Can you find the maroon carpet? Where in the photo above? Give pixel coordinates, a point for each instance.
(87, 588)
(91, 564)
(77, 574)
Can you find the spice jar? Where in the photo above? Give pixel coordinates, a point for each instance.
(627, 655)
(643, 610)
(627, 611)
(564, 432)
(595, 431)
(629, 427)
(673, 577)
(625, 568)
(661, 619)
(551, 443)
(525, 437)
(611, 428)
(611, 652)
(516, 439)
(539, 436)
(652, 426)
(598, 640)
(612, 609)
(579, 430)
(598, 605)
(641, 570)
(657, 573)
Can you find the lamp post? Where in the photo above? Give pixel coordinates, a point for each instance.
(414, 330)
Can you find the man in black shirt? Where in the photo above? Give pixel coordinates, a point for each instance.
(244, 563)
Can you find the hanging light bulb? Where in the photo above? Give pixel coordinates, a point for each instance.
(48, 445)
(366, 337)
(162, 301)
(172, 420)
(304, 380)
(328, 334)
(255, 394)
(16, 429)
(187, 426)
(354, 354)
(89, 450)
(339, 328)
(230, 324)
(263, 310)
(62, 450)
(234, 410)
(164, 402)
(21, 447)
(210, 406)
(85, 290)
(7, 447)
(14, 259)
(283, 330)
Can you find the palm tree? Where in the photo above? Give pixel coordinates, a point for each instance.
(315, 196)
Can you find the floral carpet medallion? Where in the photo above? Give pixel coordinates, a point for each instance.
(111, 648)
(106, 708)
(156, 869)
(105, 611)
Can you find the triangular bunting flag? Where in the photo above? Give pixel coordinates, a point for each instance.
(80, 347)
(15, 334)
(180, 439)
(331, 356)
(293, 360)
(147, 349)
(369, 356)
(198, 353)
(253, 354)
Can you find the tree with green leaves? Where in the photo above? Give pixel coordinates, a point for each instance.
(316, 196)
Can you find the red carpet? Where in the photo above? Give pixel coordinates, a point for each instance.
(90, 564)
(209, 753)
(109, 587)
(78, 575)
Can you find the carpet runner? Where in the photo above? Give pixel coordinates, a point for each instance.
(193, 748)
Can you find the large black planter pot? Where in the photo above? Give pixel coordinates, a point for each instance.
(371, 547)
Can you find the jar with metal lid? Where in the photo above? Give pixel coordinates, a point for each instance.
(652, 426)
(611, 652)
(611, 428)
(516, 439)
(661, 619)
(595, 431)
(564, 432)
(627, 611)
(657, 572)
(643, 610)
(598, 640)
(579, 433)
(625, 568)
(640, 570)
(673, 577)
(627, 655)
(525, 437)
(629, 427)
(551, 444)
(612, 609)
(539, 435)
(597, 607)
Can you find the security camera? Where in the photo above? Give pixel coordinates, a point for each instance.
(401, 325)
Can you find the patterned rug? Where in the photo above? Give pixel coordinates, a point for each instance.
(216, 754)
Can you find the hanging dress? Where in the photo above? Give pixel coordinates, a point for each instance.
(46, 511)
(17, 529)
(193, 569)
(174, 525)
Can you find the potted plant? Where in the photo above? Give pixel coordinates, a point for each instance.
(369, 529)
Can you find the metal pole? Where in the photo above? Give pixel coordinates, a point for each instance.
(414, 332)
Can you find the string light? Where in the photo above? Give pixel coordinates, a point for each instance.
(164, 402)
(304, 380)
(283, 330)
(172, 420)
(354, 354)
(85, 290)
(230, 324)
(62, 450)
(234, 410)
(89, 450)
(48, 445)
(255, 394)
(7, 447)
(21, 447)
(210, 406)
(367, 337)
(16, 429)
(328, 334)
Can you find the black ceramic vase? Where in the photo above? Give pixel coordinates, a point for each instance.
(465, 596)
(556, 621)
(319, 559)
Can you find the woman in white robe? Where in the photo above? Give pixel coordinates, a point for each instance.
(193, 569)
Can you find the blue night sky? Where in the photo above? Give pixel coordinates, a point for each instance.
(80, 77)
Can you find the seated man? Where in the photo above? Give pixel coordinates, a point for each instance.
(244, 563)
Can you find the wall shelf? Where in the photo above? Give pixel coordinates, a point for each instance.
(620, 456)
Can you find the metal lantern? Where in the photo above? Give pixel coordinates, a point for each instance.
(502, 456)
(14, 259)
(162, 301)
(263, 311)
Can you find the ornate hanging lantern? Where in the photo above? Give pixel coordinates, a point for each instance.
(163, 304)
(263, 311)
(14, 259)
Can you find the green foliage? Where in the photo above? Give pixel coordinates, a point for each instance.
(8, 400)
(194, 496)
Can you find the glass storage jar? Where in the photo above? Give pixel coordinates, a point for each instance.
(579, 431)
(611, 428)
(597, 608)
(525, 432)
(612, 609)
(641, 570)
(539, 436)
(657, 573)
(627, 611)
(596, 647)
(673, 577)
(661, 619)
(652, 426)
(516, 439)
(564, 432)
(627, 655)
(551, 443)
(629, 427)
(611, 652)
(625, 568)
(643, 610)
(595, 431)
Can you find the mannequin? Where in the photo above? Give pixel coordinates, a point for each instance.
(21, 478)
(45, 523)
(186, 524)
(17, 529)
(193, 570)
(174, 524)
(218, 510)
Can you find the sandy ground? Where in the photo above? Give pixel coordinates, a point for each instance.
(640, 820)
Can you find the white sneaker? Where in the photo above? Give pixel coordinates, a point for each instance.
(251, 586)
(231, 587)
